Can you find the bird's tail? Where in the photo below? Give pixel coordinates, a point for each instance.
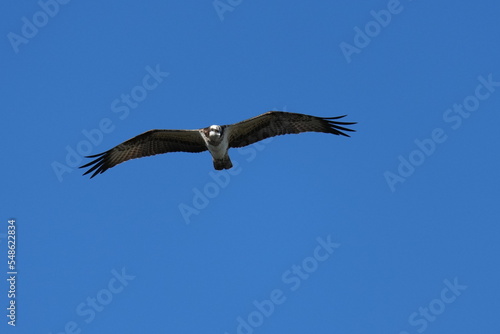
(224, 163)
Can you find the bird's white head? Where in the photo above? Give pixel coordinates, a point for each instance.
(214, 132)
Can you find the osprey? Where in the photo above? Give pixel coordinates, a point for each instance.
(217, 139)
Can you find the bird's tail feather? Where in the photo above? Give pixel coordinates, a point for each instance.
(224, 163)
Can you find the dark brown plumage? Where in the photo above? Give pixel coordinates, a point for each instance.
(277, 123)
(217, 139)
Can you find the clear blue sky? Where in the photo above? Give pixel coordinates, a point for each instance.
(394, 230)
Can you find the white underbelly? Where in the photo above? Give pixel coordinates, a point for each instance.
(218, 152)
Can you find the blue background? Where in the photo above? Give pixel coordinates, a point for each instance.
(397, 243)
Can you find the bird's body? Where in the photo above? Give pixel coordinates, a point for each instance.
(217, 139)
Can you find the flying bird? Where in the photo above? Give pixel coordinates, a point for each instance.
(217, 139)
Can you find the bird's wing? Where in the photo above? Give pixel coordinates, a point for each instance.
(276, 123)
(148, 143)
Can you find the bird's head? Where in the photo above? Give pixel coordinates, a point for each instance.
(214, 132)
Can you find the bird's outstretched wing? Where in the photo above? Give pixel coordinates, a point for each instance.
(276, 123)
(148, 143)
